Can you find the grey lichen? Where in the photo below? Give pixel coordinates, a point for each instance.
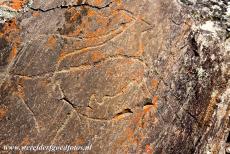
(6, 13)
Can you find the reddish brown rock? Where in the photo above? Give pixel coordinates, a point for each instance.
(122, 76)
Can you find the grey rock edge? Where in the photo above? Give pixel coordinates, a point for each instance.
(126, 76)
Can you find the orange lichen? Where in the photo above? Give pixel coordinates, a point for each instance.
(210, 108)
(43, 83)
(75, 16)
(140, 50)
(3, 111)
(20, 88)
(10, 26)
(91, 13)
(120, 51)
(51, 43)
(26, 140)
(130, 133)
(109, 72)
(10, 32)
(97, 56)
(18, 4)
(124, 136)
(13, 53)
(186, 27)
(155, 121)
(75, 32)
(105, 24)
(98, 2)
(147, 108)
(137, 117)
(155, 102)
(79, 141)
(21, 92)
(148, 149)
(62, 56)
(137, 75)
(36, 14)
(154, 84)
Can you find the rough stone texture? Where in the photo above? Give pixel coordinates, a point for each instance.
(148, 76)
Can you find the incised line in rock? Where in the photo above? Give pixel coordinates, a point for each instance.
(70, 6)
(32, 114)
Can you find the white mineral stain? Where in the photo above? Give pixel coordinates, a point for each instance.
(213, 57)
(211, 27)
(6, 13)
(228, 9)
(201, 72)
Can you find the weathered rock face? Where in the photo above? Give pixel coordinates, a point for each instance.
(125, 76)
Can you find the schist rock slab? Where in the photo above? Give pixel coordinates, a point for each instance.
(125, 76)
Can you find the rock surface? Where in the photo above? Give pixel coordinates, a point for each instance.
(125, 76)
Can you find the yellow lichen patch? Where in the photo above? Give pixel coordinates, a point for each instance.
(3, 111)
(154, 84)
(118, 2)
(97, 56)
(119, 117)
(51, 43)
